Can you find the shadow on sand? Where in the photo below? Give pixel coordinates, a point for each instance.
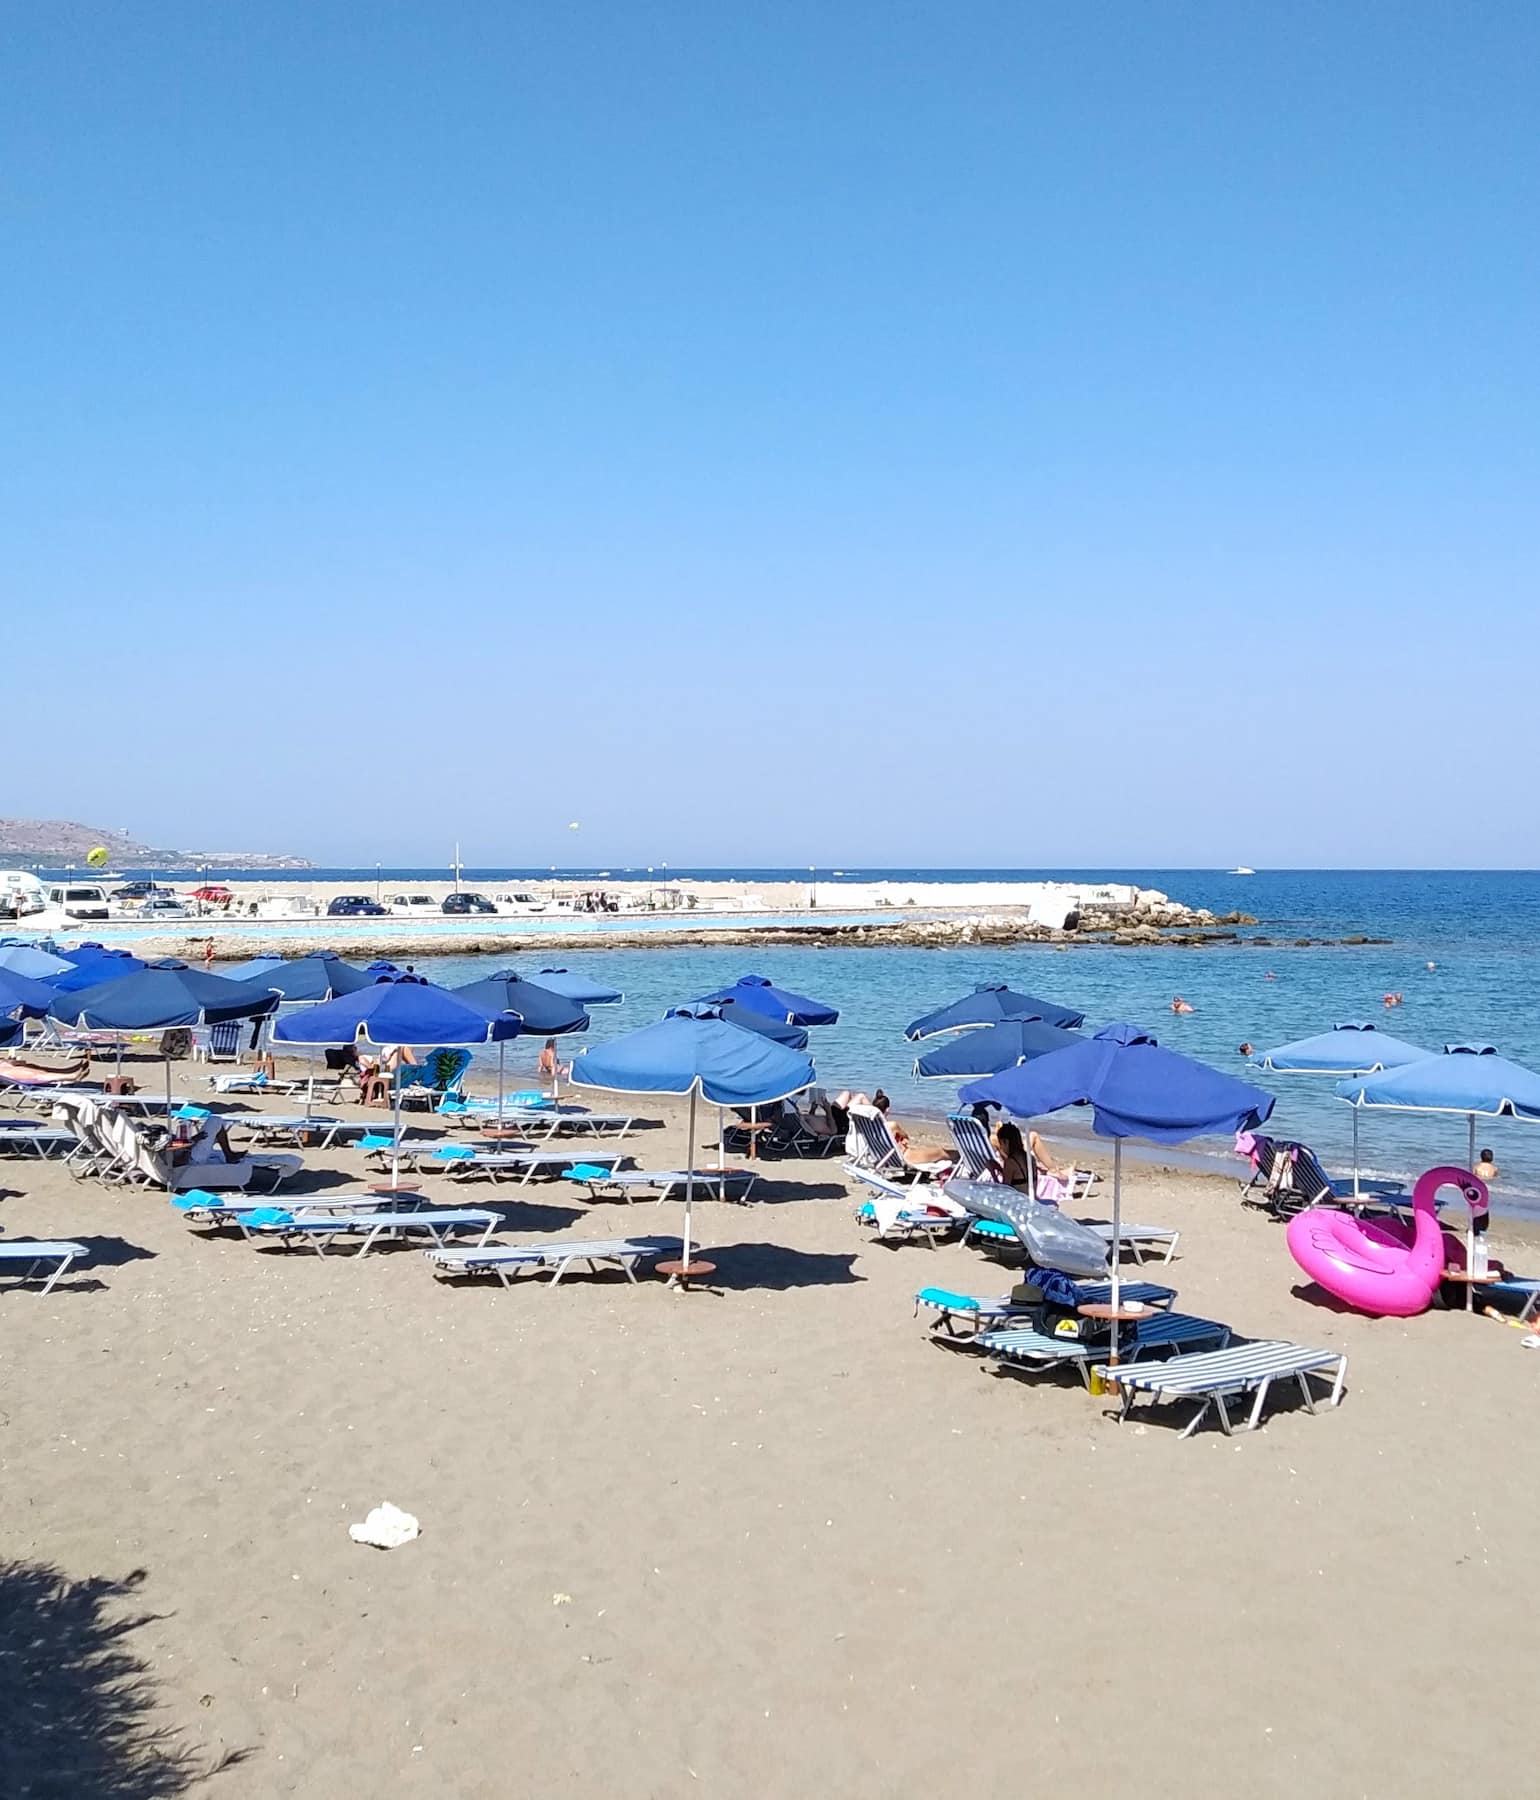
(775, 1267)
(76, 1703)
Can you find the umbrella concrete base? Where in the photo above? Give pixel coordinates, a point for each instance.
(681, 1274)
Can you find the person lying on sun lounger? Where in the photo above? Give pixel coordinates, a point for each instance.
(915, 1154)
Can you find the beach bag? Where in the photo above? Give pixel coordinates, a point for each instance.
(1053, 1308)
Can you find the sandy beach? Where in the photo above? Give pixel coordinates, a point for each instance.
(759, 1540)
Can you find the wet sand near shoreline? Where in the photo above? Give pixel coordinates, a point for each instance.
(754, 1540)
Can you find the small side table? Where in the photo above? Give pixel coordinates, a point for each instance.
(681, 1274)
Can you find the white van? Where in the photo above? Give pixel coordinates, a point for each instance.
(79, 900)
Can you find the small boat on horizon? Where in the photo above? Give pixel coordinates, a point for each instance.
(1240, 871)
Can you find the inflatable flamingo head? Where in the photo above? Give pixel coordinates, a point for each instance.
(1472, 1188)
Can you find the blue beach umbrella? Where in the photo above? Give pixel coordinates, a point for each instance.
(702, 1056)
(1468, 1078)
(33, 961)
(542, 1010)
(545, 1014)
(1352, 1048)
(19, 994)
(321, 975)
(759, 992)
(995, 1047)
(157, 997)
(1136, 1089)
(583, 988)
(91, 966)
(991, 1004)
(397, 1012)
(794, 1037)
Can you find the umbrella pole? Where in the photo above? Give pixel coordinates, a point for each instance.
(1117, 1243)
(1471, 1147)
(395, 1130)
(721, 1159)
(501, 1058)
(1355, 1157)
(689, 1182)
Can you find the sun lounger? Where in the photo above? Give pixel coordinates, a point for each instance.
(623, 1183)
(267, 1128)
(987, 1314)
(1220, 1376)
(537, 1121)
(200, 1207)
(1139, 1241)
(898, 1216)
(1163, 1333)
(255, 1082)
(36, 1140)
(512, 1165)
(22, 1258)
(320, 1230)
(507, 1261)
(880, 1151)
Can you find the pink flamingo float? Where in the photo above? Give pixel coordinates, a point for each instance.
(1391, 1270)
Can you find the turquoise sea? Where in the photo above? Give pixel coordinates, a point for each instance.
(1481, 930)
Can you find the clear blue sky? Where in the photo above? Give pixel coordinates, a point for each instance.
(840, 433)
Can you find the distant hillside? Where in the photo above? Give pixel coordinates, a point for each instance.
(62, 843)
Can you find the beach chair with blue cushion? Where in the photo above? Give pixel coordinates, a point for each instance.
(220, 1042)
(507, 1263)
(897, 1215)
(198, 1206)
(24, 1259)
(1221, 1376)
(463, 1163)
(1161, 1334)
(620, 1184)
(321, 1230)
(952, 1310)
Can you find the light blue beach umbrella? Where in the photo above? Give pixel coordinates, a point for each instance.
(1468, 1079)
(1352, 1048)
(32, 961)
(702, 1056)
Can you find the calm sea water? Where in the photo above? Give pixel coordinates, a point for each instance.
(1481, 930)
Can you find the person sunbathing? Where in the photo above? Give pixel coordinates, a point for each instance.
(922, 1156)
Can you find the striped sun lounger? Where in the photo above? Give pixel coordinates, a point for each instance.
(623, 1183)
(950, 1308)
(1163, 1333)
(1217, 1378)
(322, 1229)
(21, 1259)
(507, 1261)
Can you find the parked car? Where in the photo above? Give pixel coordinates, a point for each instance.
(162, 906)
(468, 903)
(139, 890)
(411, 903)
(355, 906)
(520, 901)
